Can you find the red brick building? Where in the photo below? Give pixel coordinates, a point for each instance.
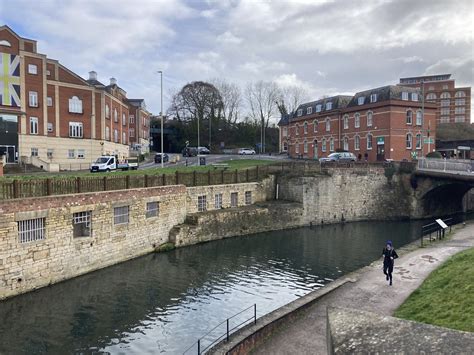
(453, 103)
(377, 124)
(50, 116)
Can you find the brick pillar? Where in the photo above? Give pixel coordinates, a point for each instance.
(1, 169)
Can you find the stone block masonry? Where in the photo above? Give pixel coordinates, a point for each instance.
(57, 254)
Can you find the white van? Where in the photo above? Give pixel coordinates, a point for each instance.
(104, 163)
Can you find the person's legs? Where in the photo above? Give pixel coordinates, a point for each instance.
(390, 270)
(385, 268)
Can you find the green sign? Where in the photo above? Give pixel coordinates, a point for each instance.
(428, 141)
(380, 140)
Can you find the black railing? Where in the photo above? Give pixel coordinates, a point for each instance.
(230, 328)
(434, 231)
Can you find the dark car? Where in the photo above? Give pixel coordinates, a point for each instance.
(166, 158)
(190, 152)
(339, 157)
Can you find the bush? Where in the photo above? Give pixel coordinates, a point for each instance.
(434, 155)
(165, 247)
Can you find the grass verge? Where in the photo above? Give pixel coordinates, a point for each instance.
(446, 297)
(233, 164)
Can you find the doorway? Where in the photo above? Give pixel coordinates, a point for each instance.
(381, 152)
(10, 152)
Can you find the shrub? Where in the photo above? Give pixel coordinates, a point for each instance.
(165, 247)
(435, 155)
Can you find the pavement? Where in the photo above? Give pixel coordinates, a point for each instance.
(367, 291)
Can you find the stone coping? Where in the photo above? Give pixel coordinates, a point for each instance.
(248, 337)
(360, 332)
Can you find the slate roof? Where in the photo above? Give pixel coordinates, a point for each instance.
(338, 102)
(284, 120)
(384, 93)
(94, 82)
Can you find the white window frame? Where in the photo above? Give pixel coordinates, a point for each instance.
(370, 139)
(297, 129)
(115, 115)
(319, 107)
(84, 222)
(32, 69)
(299, 112)
(419, 118)
(346, 143)
(34, 125)
(309, 110)
(461, 110)
(81, 153)
(121, 215)
(457, 119)
(132, 119)
(431, 96)
(76, 130)
(373, 98)
(445, 103)
(218, 201)
(315, 126)
(34, 152)
(31, 230)
(107, 111)
(323, 145)
(346, 121)
(357, 120)
(131, 132)
(445, 95)
(328, 124)
(116, 137)
(418, 141)
(49, 101)
(409, 117)
(460, 94)
(356, 143)
(414, 96)
(409, 142)
(71, 154)
(460, 102)
(305, 147)
(124, 138)
(360, 100)
(328, 106)
(331, 144)
(285, 131)
(370, 121)
(404, 95)
(202, 203)
(305, 127)
(75, 105)
(297, 148)
(49, 153)
(33, 99)
(107, 133)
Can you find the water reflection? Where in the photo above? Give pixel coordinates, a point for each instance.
(164, 302)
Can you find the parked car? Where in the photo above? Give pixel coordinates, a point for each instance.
(190, 152)
(104, 163)
(203, 150)
(166, 158)
(339, 157)
(246, 151)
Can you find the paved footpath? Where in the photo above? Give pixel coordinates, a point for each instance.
(369, 291)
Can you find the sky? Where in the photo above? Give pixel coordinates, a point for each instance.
(326, 47)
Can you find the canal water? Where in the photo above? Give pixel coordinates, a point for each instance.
(164, 302)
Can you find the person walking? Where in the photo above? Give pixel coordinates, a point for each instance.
(389, 255)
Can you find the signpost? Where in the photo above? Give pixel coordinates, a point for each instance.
(443, 228)
(428, 141)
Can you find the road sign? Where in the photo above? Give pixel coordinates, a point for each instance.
(428, 141)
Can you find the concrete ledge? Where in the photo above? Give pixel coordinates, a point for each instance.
(359, 332)
(247, 338)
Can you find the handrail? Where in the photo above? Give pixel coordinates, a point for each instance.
(226, 335)
(434, 227)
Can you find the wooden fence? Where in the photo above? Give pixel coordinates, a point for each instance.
(18, 188)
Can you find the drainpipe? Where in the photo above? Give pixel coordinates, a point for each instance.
(339, 130)
(277, 189)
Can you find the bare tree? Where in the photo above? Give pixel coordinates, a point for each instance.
(231, 99)
(291, 97)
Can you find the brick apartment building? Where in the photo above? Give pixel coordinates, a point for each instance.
(382, 123)
(453, 103)
(50, 115)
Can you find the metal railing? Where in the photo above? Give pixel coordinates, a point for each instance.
(445, 165)
(207, 341)
(439, 232)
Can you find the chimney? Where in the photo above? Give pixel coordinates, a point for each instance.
(92, 75)
(113, 81)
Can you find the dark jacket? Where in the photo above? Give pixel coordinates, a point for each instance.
(387, 254)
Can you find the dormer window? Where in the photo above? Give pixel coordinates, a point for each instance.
(360, 100)
(309, 110)
(414, 96)
(300, 112)
(373, 98)
(75, 105)
(405, 95)
(318, 108)
(329, 106)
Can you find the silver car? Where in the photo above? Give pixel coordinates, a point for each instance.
(339, 157)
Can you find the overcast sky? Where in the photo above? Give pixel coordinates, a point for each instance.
(327, 47)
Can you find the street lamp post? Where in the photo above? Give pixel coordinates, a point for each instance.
(161, 114)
